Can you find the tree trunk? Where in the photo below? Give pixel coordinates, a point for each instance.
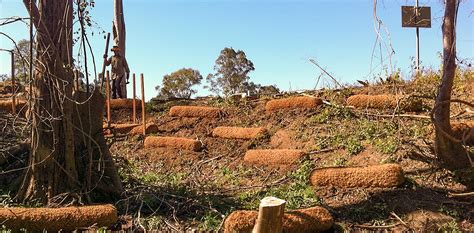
(119, 36)
(451, 153)
(57, 160)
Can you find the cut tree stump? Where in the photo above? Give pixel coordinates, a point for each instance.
(270, 216)
(56, 219)
(314, 219)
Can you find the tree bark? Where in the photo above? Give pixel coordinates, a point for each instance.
(57, 160)
(451, 153)
(120, 36)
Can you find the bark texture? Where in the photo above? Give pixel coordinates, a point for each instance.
(451, 153)
(69, 155)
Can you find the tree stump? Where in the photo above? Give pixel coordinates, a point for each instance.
(270, 216)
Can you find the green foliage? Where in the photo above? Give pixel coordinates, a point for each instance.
(210, 221)
(451, 226)
(354, 146)
(388, 145)
(179, 84)
(329, 114)
(232, 68)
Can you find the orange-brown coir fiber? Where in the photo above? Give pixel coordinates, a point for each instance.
(275, 157)
(313, 219)
(55, 219)
(122, 128)
(150, 128)
(195, 111)
(464, 129)
(6, 105)
(378, 176)
(293, 102)
(173, 142)
(125, 104)
(238, 132)
(385, 102)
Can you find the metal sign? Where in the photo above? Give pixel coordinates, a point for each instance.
(411, 17)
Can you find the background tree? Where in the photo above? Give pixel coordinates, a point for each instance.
(179, 84)
(450, 151)
(232, 70)
(69, 157)
(22, 58)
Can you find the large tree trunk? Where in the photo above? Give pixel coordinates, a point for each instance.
(58, 161)
(119, 35)
(451, 153)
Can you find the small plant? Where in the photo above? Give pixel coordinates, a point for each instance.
(339, 162)
(153, 222)
(210, 222)
(451, 226)
(353, 146)
(387, 145)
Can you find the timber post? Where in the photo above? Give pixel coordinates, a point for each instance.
(107, 91)
(143, 104)
(134, 103)
(270, 216)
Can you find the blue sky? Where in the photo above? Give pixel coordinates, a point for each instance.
(279, 36)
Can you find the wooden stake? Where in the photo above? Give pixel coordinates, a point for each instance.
(107, 91)
(143, 104)
(134, 104)
(270, 216)
(77, 80)
(13, 83)
(105, 59)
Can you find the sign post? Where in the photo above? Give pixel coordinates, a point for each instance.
(416, 16)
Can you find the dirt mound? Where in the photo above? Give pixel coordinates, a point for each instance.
(195, 111)
(378, 176)
(273, 157)
(293, 102)
(385, 102)
(313, 219)
(150, 128)
(238, 132)
(125, 104)
(173, 142)
(55, 219)
(464, 129)
(6, 105)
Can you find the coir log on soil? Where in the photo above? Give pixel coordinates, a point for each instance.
(122, 128)
(238, 132)
(293, 102)
(195, 111)
(6, 105)
(273, 157)
(55, 219)
(124, 104)
(150, 128)
(385, 102)
(378, 176)
(313, 219)
(464, 129)
(173, 142)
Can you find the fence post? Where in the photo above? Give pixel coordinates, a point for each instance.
(13, 83)
(107, 91)
(134, 103)
(143, 104)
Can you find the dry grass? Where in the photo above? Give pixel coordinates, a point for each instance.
(173, 142)
(55, 219)
(385, 102)
(273, 157)
(195, 111)
(313, 219)
(124, 104)
(378, 176)
(238, 132)
(292, 103)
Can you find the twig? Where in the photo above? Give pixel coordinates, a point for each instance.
(469, 194)
(399, 219)
(378, 227)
